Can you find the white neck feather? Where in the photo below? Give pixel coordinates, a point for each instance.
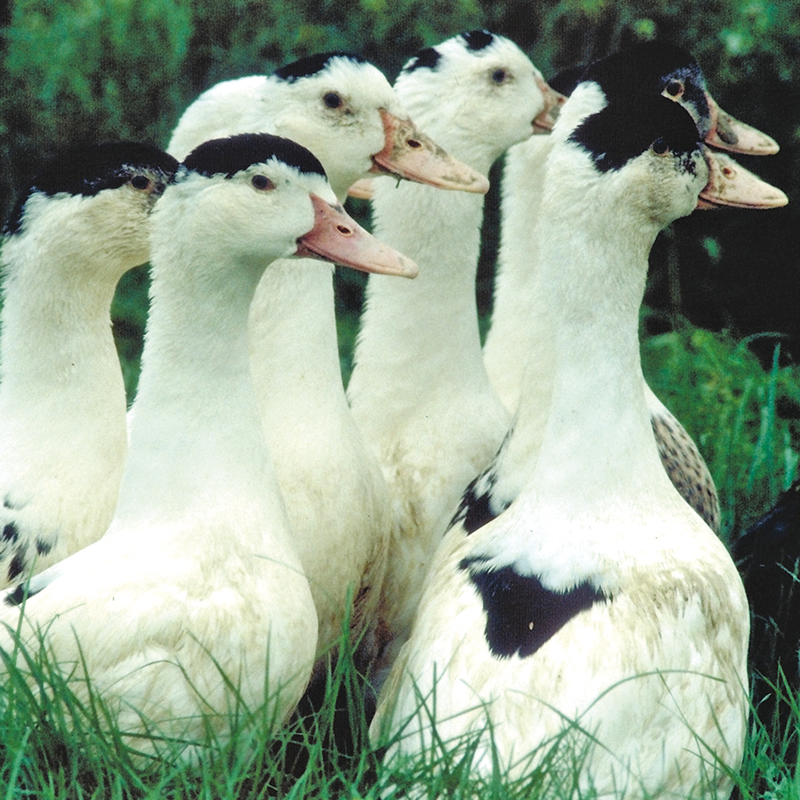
(422, 332)
(587, 358)
(196, 439)
(294, 355)
(510, 341)
(60, 369)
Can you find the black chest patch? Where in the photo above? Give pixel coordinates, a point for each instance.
(521, 614)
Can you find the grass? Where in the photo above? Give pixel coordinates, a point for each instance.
(57, 745)
(746, 419)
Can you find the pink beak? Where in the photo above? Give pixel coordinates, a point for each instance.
(409, 154)
(730, 184)
(553, 101)
(338, 238)
(728, 133)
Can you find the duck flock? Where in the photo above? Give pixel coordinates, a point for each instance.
(521, 537)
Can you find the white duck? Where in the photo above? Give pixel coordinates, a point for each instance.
(419, 390)
(598, 602)
(344, 110)
(651, 68)
(197, 570)
(78, 227)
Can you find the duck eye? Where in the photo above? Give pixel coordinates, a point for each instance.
(262, 183)
(660, 147)
(499, 76)
(141, 182)
(674, 88)
(332, 100)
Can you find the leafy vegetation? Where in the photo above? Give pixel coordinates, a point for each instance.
(720, 336)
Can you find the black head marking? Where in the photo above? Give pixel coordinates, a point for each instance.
(647, 69)
(235, 153)
(477, 39)
(623, 131)
(521, 614)
(427, 58)
(89, 169)
(311, 65)
(566, 80)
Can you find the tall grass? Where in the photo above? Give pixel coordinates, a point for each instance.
(744, 418)
(55, 745)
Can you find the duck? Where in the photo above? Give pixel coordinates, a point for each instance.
(78, 226)
(598, 612)
(419, 391)
(211, 607)
(768, 558)
(656, 67)
(344, 110)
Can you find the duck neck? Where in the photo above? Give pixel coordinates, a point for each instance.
(422, 332)
(195, 436)
(56, 329)
(512, 333)
(294, 354)
(593, 276)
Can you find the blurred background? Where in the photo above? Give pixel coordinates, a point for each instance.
(721, 326)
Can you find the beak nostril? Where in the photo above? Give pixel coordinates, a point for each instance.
(344, 230)
(414, 143)
(727, 172)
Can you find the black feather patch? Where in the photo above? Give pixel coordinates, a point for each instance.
(235, 153)
(476, 507)
(427, 58)
(622, 131)
(311, 65)
(646, 69)
(18, 596)
(768, 558)
(521, 614)
(42, 547)
(477, 39)
(10, 533)
(89, 169)
(17, 565)
(566, 80)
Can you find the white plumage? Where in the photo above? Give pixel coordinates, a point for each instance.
(197, 574)
(419, 390)
(343, 110)
(598, 601)
(79, 227)
(518, 340)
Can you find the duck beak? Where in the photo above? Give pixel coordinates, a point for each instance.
(338, 238)
(728, 133)
(730, 184)
(361, 189)
(409, 154)
(553, 101)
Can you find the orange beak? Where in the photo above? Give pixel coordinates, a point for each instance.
(728, 133)
(411, 155)
(553, 101)
(362, 189)
(730, 184)
(338, 238)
